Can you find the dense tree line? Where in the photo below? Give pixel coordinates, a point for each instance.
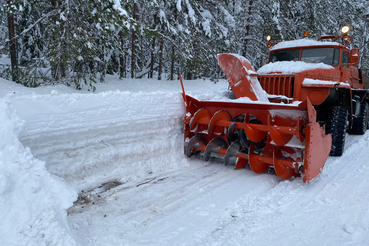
(78, 42)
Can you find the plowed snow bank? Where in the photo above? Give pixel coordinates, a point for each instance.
(33, 202)
(104, 136)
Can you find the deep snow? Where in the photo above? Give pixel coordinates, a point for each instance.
(121, 150)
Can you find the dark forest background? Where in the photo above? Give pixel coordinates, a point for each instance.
(78, 42)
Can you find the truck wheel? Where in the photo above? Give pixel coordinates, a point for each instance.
(336, 125)
(360, 123)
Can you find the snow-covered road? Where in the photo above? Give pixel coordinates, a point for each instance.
(121, 150)
(210, 204)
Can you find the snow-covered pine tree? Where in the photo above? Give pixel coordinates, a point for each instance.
(77, 42)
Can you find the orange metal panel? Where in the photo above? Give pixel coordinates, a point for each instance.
(273, 130)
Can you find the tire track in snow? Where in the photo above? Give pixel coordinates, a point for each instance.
(174, 210)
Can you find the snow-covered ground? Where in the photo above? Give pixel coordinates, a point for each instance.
(107, 168)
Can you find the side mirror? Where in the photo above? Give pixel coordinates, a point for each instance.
(354, 57)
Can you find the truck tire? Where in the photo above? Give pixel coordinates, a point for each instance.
(360, 123)
(336, 125)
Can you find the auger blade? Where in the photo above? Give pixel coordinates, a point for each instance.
(231, 133)
(241, 162)
(239, 157)
(195, 144)
(200, 115)
(279, 138)
(283, 168)
(253, 133)
(220, 118)
(232, 152)
(215, 146)
(256, 165)
(244, 141)
(283, 125)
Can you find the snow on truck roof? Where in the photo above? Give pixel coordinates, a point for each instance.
(301, 43)
(291, 67)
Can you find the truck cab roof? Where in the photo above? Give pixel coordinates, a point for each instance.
(305, 42)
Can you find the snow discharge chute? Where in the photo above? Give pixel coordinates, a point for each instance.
(260, 134)
(242, 77)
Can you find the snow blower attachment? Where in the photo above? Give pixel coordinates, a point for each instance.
(259, 133)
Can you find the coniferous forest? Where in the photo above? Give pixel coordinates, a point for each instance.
(78, 42)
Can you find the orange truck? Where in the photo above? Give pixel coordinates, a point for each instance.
(289, 115)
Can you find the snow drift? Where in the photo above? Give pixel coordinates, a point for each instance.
(33, 202)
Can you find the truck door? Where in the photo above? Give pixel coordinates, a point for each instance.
(345, 71)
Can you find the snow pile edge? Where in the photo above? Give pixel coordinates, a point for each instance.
(33, 202)
(91, 139)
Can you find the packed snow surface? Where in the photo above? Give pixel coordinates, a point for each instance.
(291, 67)
(107, 168)
(301, 43)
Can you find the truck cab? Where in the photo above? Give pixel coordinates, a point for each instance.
(325, 72)
(335, 55)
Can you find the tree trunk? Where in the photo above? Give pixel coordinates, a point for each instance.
(122, 66)
(161, 47)
(188, 74)
(12, 45)
(151, 73)
(249, 19)
(58, 66)
(122, 58)
(134, 40)
(172, 64)
(173, 52)
(152, 52)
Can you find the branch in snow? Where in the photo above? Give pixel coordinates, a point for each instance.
(145, 71)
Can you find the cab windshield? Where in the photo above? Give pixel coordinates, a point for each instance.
(327, 55)
(285, 55)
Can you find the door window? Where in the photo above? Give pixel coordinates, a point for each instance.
(345, 59)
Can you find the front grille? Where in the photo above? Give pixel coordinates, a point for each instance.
(278, 84)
